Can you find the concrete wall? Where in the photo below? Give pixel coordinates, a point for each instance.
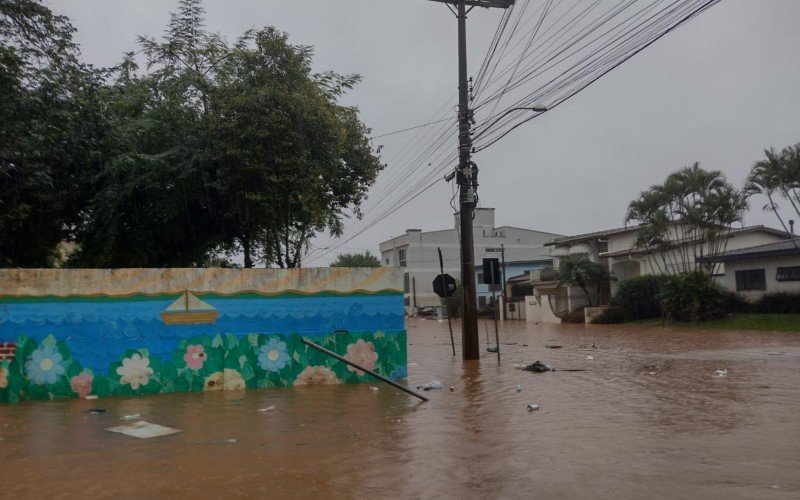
(76, 332)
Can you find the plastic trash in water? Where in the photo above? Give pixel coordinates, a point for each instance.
(218, 441)
(589, 358)
(433, 384)
(373, 388)
(268, 408)
(538, 367)
(491, 348)
(720, 374)
(519, 388)
(134, 416)
(452, 389)
(96, 411)
(553, 346)
(533, 406)
(91, 396)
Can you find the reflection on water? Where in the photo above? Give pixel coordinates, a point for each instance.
(645, 419)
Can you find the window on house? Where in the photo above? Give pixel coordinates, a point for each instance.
(481, 301)
(480, 278)
(495, 288)
(788, 273)
(751, 279)
(401, 254)
(406, 283)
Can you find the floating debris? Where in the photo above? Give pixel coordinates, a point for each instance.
(134, 416)
(96, 411)
(218, 441)
(91, 396)
(373, 388)
(491, 348)
(538, 367)
(519, 388)
(143, 430)
(589, 358)
(533, 406)
(553, 346)
(452, 389)
(433, 384)
(720, 374)
(268, 408)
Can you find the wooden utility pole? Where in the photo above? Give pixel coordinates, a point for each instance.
(467, 178)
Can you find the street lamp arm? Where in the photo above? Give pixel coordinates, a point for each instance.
(538, 109)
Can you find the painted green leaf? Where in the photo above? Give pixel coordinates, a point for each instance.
(49, 341)
(217, 341)
(252, 338)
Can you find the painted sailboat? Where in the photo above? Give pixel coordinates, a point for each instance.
(189, 310)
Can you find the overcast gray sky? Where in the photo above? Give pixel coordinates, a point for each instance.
(717, 90)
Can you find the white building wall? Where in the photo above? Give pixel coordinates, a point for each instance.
(770, 266)
(422, 258)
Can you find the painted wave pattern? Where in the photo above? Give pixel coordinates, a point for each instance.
(94, 329)
(77, 312)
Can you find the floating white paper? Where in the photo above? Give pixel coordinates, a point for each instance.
(143, 430)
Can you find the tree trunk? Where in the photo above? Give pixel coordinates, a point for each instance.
(248, 259)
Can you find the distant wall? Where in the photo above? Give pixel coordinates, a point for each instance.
(75, 332)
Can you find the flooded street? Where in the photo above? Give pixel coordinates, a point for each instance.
(645, 419)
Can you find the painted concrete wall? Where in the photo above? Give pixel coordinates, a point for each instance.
(76, 332)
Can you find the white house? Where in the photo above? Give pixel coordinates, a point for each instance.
(617, 249)
(416, 250)
(754, 271)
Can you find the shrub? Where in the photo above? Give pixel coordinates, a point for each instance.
(692, 296)
(733, 303)
(639, 297)
(575, 317)
(611, 316)
(778, 303)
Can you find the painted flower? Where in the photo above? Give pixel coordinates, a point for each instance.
(214, 382)
(44, 365)
(317, 375)
(195, 356)
(135, 371)
(362, 353)
(3, 377)
(81, 384)
(233, 380)
(273, 355)
(399, 373)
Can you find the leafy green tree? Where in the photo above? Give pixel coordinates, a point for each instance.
(291, 162)
(580, 271)
(365, 259)
(52, 132)
(221, 149)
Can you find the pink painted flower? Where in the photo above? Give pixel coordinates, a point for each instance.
(195, 356)
(362, 353)
(81, 384)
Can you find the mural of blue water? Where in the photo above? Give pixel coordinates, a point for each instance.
(90, 326)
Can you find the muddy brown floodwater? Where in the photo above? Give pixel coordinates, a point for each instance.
(644, 420)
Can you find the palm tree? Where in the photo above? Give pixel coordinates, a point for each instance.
(765, 178)
(579, 270)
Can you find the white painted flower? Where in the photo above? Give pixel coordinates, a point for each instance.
(233, 380)
(135, 371)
